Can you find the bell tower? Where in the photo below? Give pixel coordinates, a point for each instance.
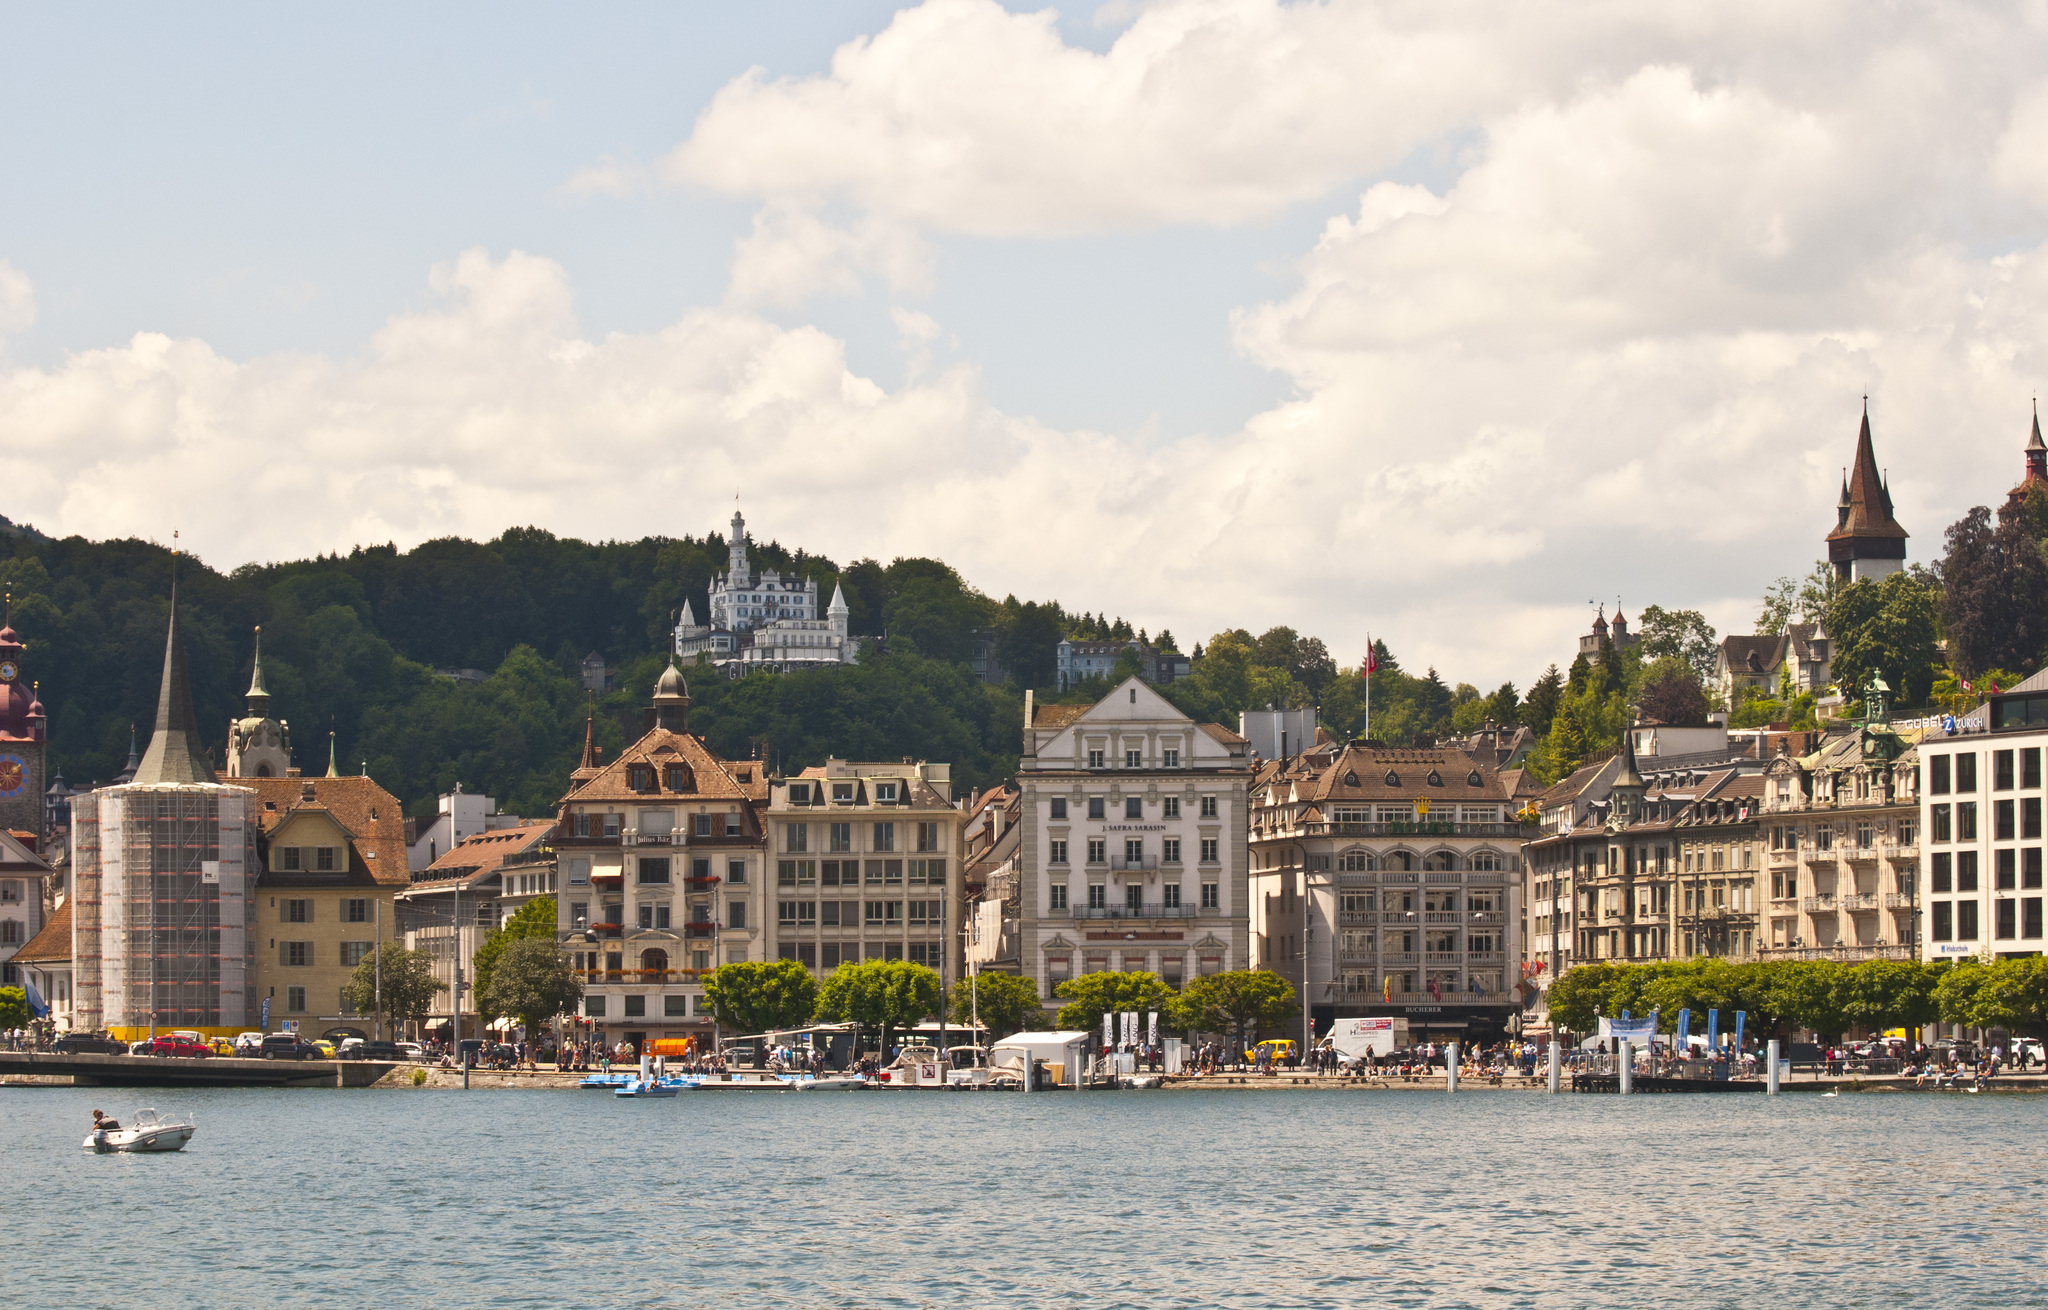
(24, 736)
(258, 745)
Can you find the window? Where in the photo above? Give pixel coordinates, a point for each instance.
(678, 777)
(582, 824)
(2030, 917)
(785, 913)
(1939, 828)
(593, 1006)
(1170, 808)
(1059, 895)
(1966, 772)
(736, 914)
(654, 869)
(1937, 775)
(1094, 759)
(611, 826)
(892, 871)
(636, 1007)
(1169, 896)
(2005, 919)
(1169, 759)
(1209, 896)
(842, 837)
(579, 914)
(354, 953)
(1966, 921)
(2001, 820)
(1098, 850)
(928, 838)
(2001, 770)
(885, 837)
(1134, 807)
(733, 826)
(1966, 871)
(2030, 867)
(675, 1007)
(355, 910)
(323, 859)
(796, 837)
(1095, 810)
(885, 793)
(288, 858)
(1966, 820)
(1169, 850)
(1056, 851)
(1208, 807)
(1134, 850)
(1097, 896)
(2030, 818)
(1208, 850)
(1134, 759)
(294, 1000)
(298, 955)
(874, 912)
(1059, 807)
(736, 872)
(842, 793)
(892, 912)
(2030, 767)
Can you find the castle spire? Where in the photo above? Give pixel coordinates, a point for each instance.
(175, 754)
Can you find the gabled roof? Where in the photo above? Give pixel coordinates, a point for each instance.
(371, 816)
(1364, 773)
(1737, 653)
(17, 857)
(710, 777)
(485, 853)
(52, 945)
(1055, 716)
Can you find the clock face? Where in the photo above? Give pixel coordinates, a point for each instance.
(13, 776)
(8, 673)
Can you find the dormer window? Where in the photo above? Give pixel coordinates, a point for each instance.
(1351, 778)
(1472, 779)
(678, 777)
(1435, 779)
(842, 793)
(1393, 778)
(640, 777)
(885, 793)
(800, 793)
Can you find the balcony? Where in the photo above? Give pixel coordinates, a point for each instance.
(1819, 904)
(700, 884)
(1784, 859)
(1485, 957)
(1448, 998)
(1135, 866)
(1451, 876)
(1451, 917)
(1141, 912)
(1885, 951)
(1860, 854)
(700, 930)
(1898, 900)
(1854, 901)
(1445, 958)
(1508, 831)
(646, 977)
(1909, 850)
(1358, 918)
(1392, 958)
(607, 929)
(1357, 954)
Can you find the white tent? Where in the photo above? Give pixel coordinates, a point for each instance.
(1069, 1050)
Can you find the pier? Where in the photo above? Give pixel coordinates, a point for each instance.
(153, 1071)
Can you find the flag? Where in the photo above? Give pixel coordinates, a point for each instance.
(1713, 1029)
(1477, 989)
(1387, 988)
(1967, 686)
(1684, 1028)
(1372, 658)
(1994, 686)
(37, 1006)
(1436, 989)
(1738, 1031)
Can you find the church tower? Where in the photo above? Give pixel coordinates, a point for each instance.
(258, 745)
(2037, 465)
(1867, 542)
(24, 737)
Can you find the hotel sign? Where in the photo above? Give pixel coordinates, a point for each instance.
(1136, 937)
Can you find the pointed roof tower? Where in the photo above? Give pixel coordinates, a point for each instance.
(259, 695)
(838, 605)
(2037, 463)
(1867, 540)
(174, 754)
(332, 772)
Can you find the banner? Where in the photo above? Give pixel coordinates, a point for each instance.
(1713, 1030)
(1358, 1037)
(1152, 1029)
(1108, 1031)
(1684, 1028)
(1130, 1027)
(1637, 1031)
(1739, 1016)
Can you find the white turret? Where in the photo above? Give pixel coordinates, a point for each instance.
(736, 550)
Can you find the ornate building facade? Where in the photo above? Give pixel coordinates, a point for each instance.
(763, 620)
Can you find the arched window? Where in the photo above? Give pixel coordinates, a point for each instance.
(1439, 861)
(654, 960)
(1486, 860)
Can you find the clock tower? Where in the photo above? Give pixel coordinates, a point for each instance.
(24, 737)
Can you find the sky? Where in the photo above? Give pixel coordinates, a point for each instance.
(1434, 321)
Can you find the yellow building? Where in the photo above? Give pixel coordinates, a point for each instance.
(333, 854)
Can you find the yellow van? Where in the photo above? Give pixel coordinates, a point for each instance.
(1279, 1050)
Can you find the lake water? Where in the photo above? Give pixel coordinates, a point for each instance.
(1223, 1198)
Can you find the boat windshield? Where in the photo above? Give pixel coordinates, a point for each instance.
(146, 1119)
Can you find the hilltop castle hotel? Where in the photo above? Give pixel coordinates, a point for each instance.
(764, 620)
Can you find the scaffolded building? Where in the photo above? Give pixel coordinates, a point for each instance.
(164, 870)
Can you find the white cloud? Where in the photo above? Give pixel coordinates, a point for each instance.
(17, 299)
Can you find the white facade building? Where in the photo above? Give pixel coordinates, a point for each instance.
(1133, 851)
(462, 815)
(1980, 815)
(763, 620)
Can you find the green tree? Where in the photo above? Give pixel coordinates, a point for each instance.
(1887, 627)
(408, 988)
(532, 982)
(2010, 994)
(1683, 635)
(1007, 1004)
(1803, 601)
(13, 1007)
(1540, 706)
(1575, 995)
(758, 996)
(534, 919)
(1885, 994)
(1092, 995)
(1234, 1001)
(1804, 994)
(880, 994)
(1673, 693)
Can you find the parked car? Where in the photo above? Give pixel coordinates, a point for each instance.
(324, 1047)
(181, 1046)
(289, 1046)
(411, 1051)
(141, 1047)
(1281, 1051)
(371, 1051)
(88, 1044)
(350, 1049)
(249, 1045)
(222, 1045)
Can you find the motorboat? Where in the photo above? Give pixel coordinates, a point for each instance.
(613, 1080)
(146, 1132)
(827, 1082)
(650, 1087)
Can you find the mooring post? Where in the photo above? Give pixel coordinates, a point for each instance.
(1771, 1078)
(1627, 1066)
(1450, 1066)
(1556, 1065)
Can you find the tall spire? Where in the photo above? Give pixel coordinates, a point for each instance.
(2037, 463)
(590, 735)
(332, 772)
(1867, 541)
(174, 754)
(259, 695)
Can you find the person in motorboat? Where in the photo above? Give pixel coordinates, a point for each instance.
(103, 1122)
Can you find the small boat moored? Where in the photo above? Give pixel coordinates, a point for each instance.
(147, 1133)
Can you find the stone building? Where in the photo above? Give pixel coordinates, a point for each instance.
(867, 861)
(23, 873)
(1841, 842)
(1132, 844)
(1386, 882)
(259, 746)
(451, 907)
(761, 619)
(163, 874)
(1075, 660)
(1980, 811)
(662, 872)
